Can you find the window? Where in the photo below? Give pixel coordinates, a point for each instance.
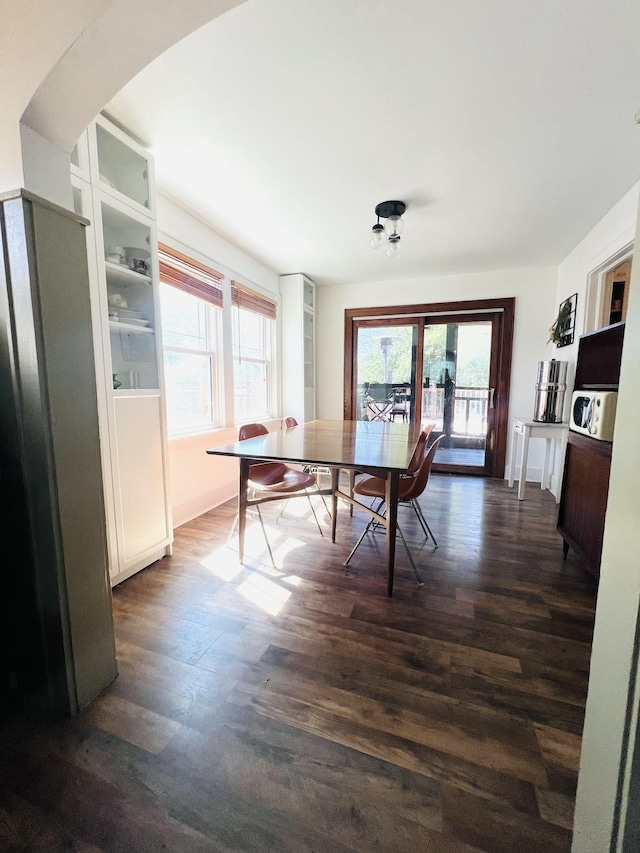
(198, 357)
(253, 322)
(191, 301)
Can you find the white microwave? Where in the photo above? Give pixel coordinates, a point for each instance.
(593, 413)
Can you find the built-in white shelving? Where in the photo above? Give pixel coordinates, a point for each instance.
(299, 343)
(113, 186)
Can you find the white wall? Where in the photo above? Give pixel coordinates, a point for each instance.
(534, 290)
(46, 168)
(200, 482)
(612, 233)
(33, 36)
(616, 629)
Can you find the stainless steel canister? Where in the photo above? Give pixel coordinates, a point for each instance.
(550, 390)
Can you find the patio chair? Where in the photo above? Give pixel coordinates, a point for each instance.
(400, 405)
(378, 401)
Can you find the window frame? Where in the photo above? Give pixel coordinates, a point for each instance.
(233, 293)
(213, 351)
(269, 334)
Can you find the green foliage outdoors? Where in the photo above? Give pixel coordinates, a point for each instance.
(471, 365)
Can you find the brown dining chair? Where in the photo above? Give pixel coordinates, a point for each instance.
(273, 478)
(412, 485)
(289, 423)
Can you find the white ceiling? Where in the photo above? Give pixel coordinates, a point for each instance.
(506, 125)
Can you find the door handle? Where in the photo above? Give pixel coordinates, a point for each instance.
(492, 392)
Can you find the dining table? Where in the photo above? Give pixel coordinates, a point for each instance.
(381, 448)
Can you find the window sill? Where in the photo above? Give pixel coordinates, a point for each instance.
(212, 437)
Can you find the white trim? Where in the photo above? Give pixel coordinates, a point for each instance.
(596, 288)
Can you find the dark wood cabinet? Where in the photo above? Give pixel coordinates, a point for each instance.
(585, 484)
(585, 491)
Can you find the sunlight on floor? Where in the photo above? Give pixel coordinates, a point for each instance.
(222, 563)
(268, 595)
(299, 508)
(282, 549)
(262, 586)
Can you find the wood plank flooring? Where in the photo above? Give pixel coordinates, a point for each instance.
(301, 709)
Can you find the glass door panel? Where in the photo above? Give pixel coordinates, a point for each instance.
(386, 371)
(456, 392)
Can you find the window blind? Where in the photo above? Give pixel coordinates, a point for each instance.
(190, 275)
(243, 297)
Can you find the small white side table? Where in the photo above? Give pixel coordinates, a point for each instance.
(534, 429)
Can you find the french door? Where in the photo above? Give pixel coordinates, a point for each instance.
(447, 363)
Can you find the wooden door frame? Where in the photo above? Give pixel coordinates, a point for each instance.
(506, 307)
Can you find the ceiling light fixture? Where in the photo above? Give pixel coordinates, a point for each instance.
(392, 229)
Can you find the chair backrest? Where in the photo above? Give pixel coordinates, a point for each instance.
(418, 483)
(289, 423)
(418, 453)
(380, 392)
(251, 431)
(262, 473)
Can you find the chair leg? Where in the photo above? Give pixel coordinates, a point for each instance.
(266, 538)
(233, 527)
(406, 547)
(372, 523)
(423, 524)
(359, 542)
(313, 511)
(326, 508)
(284, 506)
(423, 521)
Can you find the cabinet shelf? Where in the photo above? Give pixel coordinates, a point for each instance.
(125, 328)
(136, 392)
(116, 192)
(298, 325)
(123, 276)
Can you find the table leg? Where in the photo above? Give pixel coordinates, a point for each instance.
(391, 497)
(512, 458)
(242, 506)
(352, 482)
(335, 479)
(544, 484)
(523, 463)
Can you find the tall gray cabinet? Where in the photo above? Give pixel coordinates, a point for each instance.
(56, 585)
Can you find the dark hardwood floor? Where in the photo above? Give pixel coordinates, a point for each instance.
(302, 710)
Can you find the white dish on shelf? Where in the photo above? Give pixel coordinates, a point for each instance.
(134, 321)
(125, 316)
(124, 273)
(135, 252)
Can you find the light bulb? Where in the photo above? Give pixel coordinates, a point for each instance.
(394, 225)
(377, 236)
(393, 247)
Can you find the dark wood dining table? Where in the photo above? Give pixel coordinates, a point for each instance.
(380, 448)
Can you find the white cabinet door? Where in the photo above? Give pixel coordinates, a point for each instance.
(143, 524)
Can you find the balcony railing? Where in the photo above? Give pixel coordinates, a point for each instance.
(469, 408)
(466, 419)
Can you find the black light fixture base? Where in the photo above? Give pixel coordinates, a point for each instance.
(390, 208)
